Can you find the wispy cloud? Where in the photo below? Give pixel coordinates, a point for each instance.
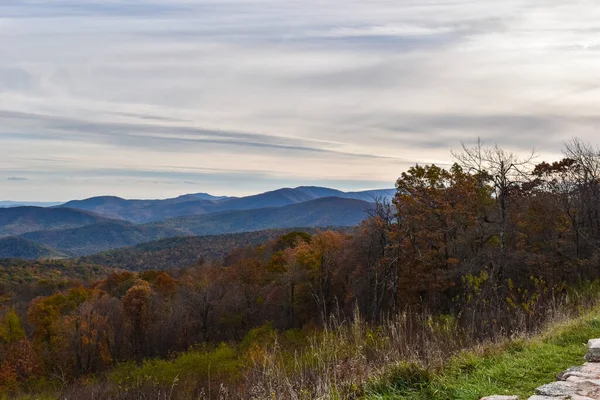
(238, 96)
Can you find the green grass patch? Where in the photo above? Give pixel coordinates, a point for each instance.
(194, 365)
(517, 367)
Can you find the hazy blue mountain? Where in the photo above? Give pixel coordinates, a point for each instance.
(99, 237)
(17, 247)
(147, 210)
(19, 220)
(141, 211)
(279, 198)
(166, 210)
(110, 206)
(80, 230)
(323, 212)
(111, 234)
(7, 203)
(206, 196)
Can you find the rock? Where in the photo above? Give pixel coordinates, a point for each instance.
(573, 371)
(590, 389)
(500, 398)
(557, 389)
(591, 368)
(593, 353)
(583, 379)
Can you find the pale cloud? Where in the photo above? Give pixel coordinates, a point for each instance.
(141, 98)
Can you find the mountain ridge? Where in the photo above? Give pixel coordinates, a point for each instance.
(322, 212)
(21, 248)
(144, 211)
(113, 234)
(99, 237)
(16, 221)
(109, 222)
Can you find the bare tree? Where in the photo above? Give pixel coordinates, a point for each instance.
(586, 196)
(505, 171)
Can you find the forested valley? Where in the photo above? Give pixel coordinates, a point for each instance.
(493, 246)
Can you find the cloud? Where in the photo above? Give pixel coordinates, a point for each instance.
(16, 178)
(384, 30)
(240, 96)
(16, 79)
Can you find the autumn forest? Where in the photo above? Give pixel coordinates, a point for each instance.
(492, 246)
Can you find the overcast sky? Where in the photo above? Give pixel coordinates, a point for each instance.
(150, 98)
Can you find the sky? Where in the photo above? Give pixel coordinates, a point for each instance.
(152, 99)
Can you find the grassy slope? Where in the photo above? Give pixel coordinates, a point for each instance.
(517, 367)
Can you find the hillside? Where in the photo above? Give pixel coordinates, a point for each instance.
(17, 247)
(165, 210)
(181, 252)
(325, 212)
(99, 237)
(20, 220)
(15, 272)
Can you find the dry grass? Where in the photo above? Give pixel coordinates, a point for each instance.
(338, 362)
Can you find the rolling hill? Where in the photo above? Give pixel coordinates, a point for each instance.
(18, 247)
(182, 252)
(161, 211)
(99, 237)
(279, 198)
(324, 212)
(19, 220)
(139, 211)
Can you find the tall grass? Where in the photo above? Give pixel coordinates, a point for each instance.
(405, 351)
(344, 360)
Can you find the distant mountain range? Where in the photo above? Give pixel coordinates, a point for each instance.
(324, 212)
(6, 204)
(145, 210)
(20, 220)
(85, 227)
(141, 211)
